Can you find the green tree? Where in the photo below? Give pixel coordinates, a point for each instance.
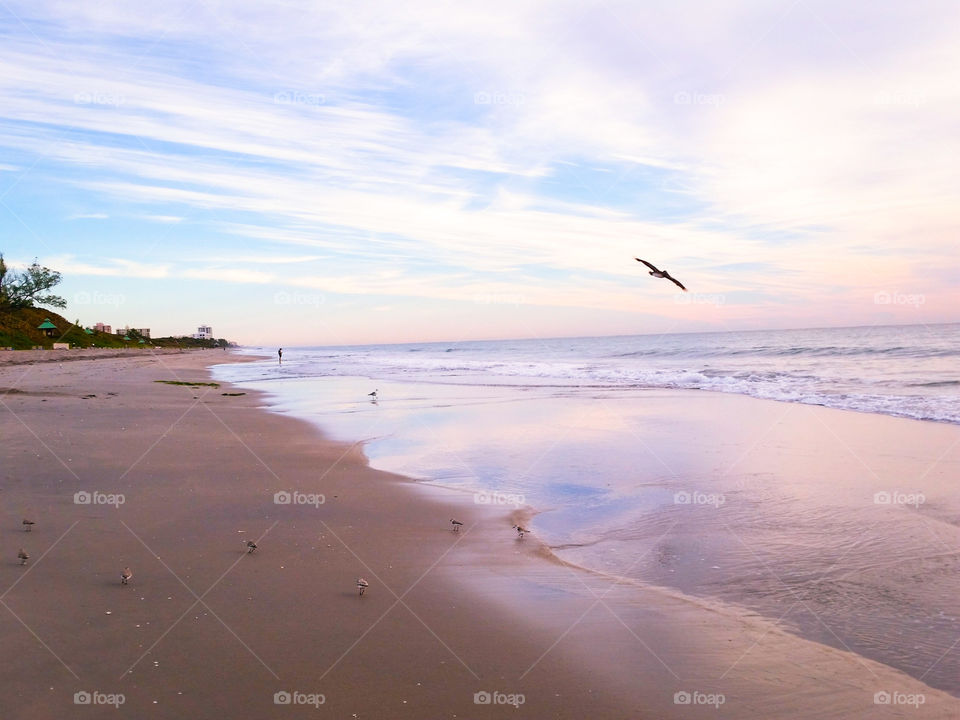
(27, 288)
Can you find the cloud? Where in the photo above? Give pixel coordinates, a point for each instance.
(88, 216)
(552, 146)
(116, 267)
(232, 275)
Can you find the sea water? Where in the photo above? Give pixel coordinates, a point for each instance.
(765, 505)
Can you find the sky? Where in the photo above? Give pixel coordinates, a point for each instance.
(323, 173)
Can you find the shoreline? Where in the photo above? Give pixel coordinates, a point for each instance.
(446, 616)
(788, 422)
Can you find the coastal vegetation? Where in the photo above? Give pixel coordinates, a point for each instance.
(189, 384)
(21, 292)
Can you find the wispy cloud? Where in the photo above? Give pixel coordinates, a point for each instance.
(527, 148)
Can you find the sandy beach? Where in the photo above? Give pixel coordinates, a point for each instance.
(172, 480)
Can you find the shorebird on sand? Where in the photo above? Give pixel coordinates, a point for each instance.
(661, 274)
(362, 584)
(456, 524)
(126, 576)
(520, 531)
(23, 556)
(250, 545)
(373, 394)
(28, 525)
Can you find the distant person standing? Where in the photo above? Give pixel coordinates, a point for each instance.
(280, 356)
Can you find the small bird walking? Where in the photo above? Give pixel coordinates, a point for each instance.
(362, 585)
(372, 394)
(126, 576)
(456, 524)
(28, 525)
(520, 531)
(250, 545)
(23, 556)
(661, 274)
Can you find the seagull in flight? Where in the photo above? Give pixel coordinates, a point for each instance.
(661, 274)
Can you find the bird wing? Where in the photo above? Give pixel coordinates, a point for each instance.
(674, 281)
(647, 264)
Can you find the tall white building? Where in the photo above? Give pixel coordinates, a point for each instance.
(204, 332)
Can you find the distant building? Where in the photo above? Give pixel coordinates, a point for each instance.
(145, 332)
(204, 332)
(100, 327)
(123, 330)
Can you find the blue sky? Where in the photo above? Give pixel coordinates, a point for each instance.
(314, 173)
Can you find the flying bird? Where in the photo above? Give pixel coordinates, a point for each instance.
(250, 545)
(362, 585)
(456, 524)
(126, 576)
(661, 274)
(23, 556)
(28, 525)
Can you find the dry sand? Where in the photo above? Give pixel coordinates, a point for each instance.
(205, 630)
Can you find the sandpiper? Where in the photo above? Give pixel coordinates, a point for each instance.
(28, 525)
(23, 556)
(456, 524)
(126, 576)
(250, 545)
(362, 585)
(520, 531)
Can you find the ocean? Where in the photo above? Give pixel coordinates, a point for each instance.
(909, 371)
(839, 535)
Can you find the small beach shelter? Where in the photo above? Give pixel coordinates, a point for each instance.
(88, 331)
(49, 329)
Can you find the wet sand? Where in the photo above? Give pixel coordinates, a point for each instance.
(207, 630)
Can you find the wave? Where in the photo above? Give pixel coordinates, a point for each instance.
(907, 372)
(829, 351)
